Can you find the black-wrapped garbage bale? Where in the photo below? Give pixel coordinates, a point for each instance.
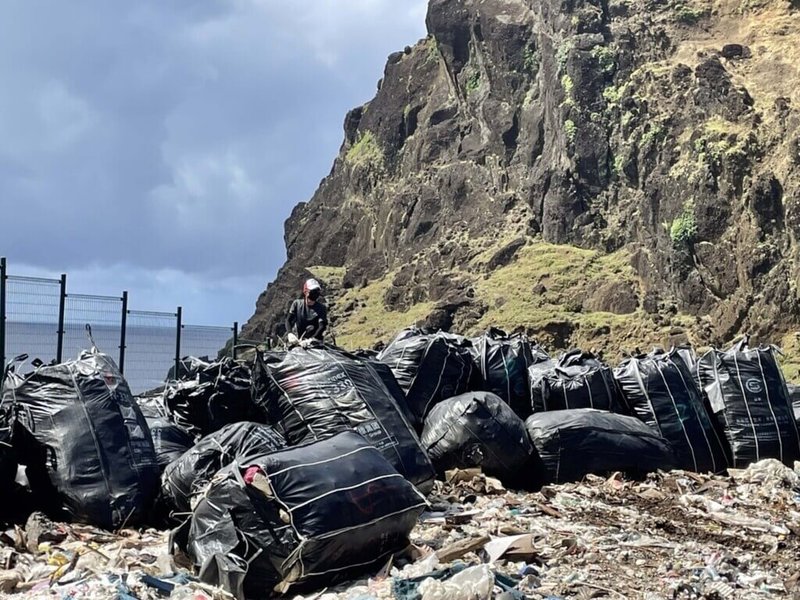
(749, 398)
(317, 392)
(477, 429)
(431, 367)
(661, 392)
(574, 443)
(212, 395)
(189, 474)
(84, 441)
(503, 362)
(305, 517)
(576, 380)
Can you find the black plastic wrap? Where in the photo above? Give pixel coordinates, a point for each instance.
(304, 517)
(213, 395)
(169, 440)
(576, 380)
(690, 359)
(8, 459)
(477, 429)
(317, 392)
(660, 391)
(431, 367)
(574, 443)
(387, 377)
(190, 473)
(84, 441)
(503, 362)
(748, 396)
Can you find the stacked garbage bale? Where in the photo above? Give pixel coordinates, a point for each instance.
(312, 393)
(170, 440)
(660, 390)
(477, 429)
(308, 516)
(187, 476)
(329, 488)
(503, 361)
(577, 379)
(750, 400)
(573, 443)
(209, 395)
(430, 367)
(85, 444)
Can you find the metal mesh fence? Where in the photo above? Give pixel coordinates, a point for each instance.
(103, 313)
(202, 340)
(38, 318)
(150, 353)
(32, 309)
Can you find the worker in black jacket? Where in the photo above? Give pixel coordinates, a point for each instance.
(307, 317)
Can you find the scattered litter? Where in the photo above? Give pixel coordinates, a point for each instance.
(602, 537)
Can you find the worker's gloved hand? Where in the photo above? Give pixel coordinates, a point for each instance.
(306, 343)
(292, 339)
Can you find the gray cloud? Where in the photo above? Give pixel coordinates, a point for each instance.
(174, 137)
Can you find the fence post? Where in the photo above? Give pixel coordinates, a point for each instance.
(178, 342)
(2, 312)
(235, 338)
(62, 301)
(123, 332)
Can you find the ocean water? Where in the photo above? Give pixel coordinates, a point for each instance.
(149, 350)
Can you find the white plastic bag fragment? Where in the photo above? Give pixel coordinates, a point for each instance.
(769, 471)
(473, 583)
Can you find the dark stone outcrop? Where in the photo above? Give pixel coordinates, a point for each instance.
(577, 122)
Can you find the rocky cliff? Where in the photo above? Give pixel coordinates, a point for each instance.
(606, 173)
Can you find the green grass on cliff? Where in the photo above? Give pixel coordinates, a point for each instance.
(332, 276)
(370, 320)
(790, 362)
(366, 152)
(548, 283)
(545, 285)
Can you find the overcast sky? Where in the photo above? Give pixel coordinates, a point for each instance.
(158, 146)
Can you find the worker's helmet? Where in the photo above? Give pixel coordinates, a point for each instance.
(312, 288)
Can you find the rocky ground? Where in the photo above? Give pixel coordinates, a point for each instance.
(673, 535)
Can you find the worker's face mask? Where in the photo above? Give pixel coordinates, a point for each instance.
(313, 294)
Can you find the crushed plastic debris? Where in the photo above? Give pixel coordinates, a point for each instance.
(674, 535)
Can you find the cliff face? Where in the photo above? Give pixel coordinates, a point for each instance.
(596, 172)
